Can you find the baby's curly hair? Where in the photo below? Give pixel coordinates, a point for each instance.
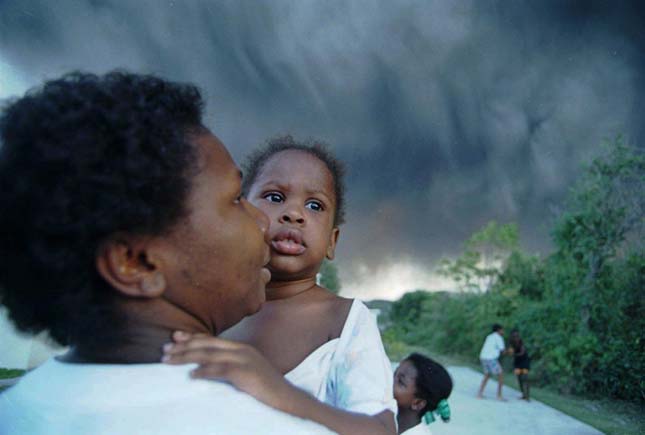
(84, 157)
(257, 159)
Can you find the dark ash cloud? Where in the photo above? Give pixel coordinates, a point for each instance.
(448, 114)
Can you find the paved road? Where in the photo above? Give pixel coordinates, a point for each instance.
(491, 417)
(8, 382)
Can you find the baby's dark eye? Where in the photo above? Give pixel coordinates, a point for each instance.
(273, 197)
(314, 205)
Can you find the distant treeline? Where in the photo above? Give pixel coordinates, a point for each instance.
(580, 310)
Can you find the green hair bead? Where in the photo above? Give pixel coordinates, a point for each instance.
(443, 409)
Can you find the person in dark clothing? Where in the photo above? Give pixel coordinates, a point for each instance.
(521, 363)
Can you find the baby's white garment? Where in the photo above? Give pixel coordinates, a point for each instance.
(419, 429)
(351, 372)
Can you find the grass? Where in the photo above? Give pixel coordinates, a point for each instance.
(608, 416)
(10, 373)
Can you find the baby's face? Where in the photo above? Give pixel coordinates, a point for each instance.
(296, 191)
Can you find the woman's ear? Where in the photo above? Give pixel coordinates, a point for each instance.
(418, 404)
(333, 239)
(127, 265)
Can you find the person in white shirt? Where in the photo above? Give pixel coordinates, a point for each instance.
(489, 356)
(122, 222)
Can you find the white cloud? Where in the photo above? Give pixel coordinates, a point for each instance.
(392, 281)
(12, 82)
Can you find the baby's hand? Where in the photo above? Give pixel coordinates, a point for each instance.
(239, 364)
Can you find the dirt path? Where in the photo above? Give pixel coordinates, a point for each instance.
(491, 417)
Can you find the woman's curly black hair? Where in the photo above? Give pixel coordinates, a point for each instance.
(257, 159)
(81, 158)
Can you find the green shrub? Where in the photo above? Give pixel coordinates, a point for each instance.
(580, 310)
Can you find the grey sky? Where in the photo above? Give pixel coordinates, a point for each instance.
(447, 113)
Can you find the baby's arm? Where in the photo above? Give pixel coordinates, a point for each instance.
(245, 368)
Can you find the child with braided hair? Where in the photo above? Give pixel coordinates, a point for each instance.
(421, 389)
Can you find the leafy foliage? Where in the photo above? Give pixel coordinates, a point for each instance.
(329, 277)
(10, 373)
(580, 310)
(479, 265)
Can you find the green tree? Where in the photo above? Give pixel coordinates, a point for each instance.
(407, 310)
(603, 218)
(581, 309)
(598, 272)
(329, 277)
(484, 254)
(523, 273)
